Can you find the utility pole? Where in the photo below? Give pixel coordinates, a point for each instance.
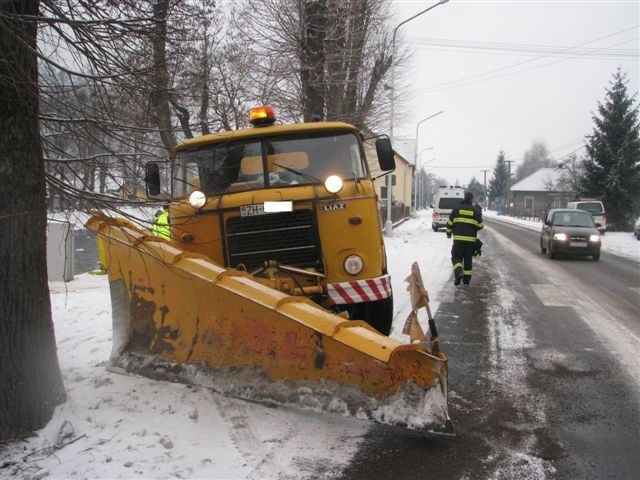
(509, 162)
(486, 195)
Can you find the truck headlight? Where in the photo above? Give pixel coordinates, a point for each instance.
(353, 264)
(561, 237)
(197, 199)
(333, 184)
(594, 238)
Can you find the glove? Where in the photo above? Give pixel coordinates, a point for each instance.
(448, 234)
(477, 248)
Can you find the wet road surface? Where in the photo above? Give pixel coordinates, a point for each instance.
(542, 376)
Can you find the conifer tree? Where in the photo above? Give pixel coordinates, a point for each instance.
(477, 189)
(499, 183)
(612, 163)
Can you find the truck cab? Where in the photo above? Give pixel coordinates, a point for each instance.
(292, 205)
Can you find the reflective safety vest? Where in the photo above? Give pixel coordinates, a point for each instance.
(464, 222)
(161, 226)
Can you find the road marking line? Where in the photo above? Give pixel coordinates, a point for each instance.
(617, 336)
(552, 295)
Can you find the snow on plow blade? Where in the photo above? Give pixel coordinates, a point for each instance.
(178, 316)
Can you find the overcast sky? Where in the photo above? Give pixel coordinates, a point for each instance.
(508, 73)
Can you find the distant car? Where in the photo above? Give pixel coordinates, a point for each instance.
(636, 228)
(570, 231)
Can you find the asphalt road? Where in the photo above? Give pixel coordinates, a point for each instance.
(544, 372)
(85, 257)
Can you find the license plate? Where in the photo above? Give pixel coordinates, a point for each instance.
(578, 244)
(266, 207)
(251, 210)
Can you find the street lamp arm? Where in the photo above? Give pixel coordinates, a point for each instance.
(395, 30)
(388, 228)
(418, 126)
(428, 118)
(393, 58)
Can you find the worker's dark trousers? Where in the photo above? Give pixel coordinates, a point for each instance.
(462, 256)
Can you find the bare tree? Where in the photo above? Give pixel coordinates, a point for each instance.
(535, 158)
(84, 92)
(127, 80)
(95, 96)
(110, 94)
(30, 380)
(325, 57)
(572, 173)
(358, 58)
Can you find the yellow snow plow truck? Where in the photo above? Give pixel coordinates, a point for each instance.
(273, 284)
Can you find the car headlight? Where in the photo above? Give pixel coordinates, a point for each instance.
(197, 199)
(594, 238)
(561, 237)
(333, 184)
(353, 264)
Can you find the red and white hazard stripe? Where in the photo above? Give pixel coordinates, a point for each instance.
(359, 291)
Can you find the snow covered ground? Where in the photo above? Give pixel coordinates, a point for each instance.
(115, 426)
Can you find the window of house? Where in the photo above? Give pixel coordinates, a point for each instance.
(528, 203)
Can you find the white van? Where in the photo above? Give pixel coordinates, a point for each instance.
(595, 208)
(447, 198)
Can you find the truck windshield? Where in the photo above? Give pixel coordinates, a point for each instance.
(274, 162)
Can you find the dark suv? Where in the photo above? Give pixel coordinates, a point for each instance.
(570, 231)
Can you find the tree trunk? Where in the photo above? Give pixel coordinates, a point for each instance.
(312, 59)
(30, 379)
(160, 96)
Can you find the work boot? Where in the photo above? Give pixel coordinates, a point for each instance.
(457, 272)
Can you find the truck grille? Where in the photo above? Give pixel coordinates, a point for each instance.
(290, 238)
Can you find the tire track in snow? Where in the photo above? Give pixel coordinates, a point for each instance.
(289, 443)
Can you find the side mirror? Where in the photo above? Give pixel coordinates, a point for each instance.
(547, 223)
(598, 224)
(152, 179)
(386, 158)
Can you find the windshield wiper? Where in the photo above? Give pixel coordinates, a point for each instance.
(298, 172)
(355, 180)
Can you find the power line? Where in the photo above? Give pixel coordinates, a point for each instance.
(517, 160)
(460, 166)
(520, 48)
(469, 79)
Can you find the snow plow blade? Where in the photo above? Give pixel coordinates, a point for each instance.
(178, 316)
